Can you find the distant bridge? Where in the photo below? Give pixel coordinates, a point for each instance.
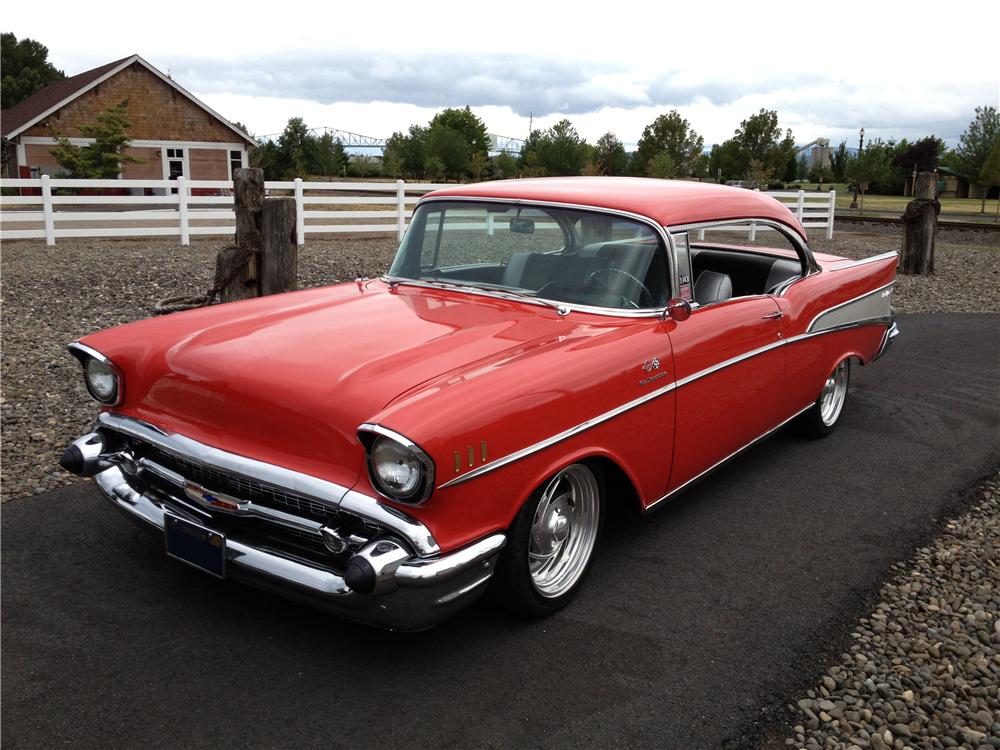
(498, 143)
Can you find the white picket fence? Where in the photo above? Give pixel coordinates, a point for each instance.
(180, 208)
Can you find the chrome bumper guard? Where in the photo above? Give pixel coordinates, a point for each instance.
(410, 592)
(890, 333)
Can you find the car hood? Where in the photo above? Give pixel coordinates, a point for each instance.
(288, 379)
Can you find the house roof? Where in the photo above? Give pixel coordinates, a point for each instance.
(55, 96)
(668, 202)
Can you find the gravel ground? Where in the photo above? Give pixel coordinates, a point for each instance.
(53, 295)
(923, 668)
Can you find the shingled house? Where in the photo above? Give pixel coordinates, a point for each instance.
(172, 132)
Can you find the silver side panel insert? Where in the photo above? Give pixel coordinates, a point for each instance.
(874, 305)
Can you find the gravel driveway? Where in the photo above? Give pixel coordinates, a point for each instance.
(53, 295)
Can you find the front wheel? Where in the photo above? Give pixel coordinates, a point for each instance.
(822, 417)
(551, 543)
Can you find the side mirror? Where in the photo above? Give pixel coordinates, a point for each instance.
(678, 310)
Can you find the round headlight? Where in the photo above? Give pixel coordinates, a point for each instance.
(101, 380)
(396, 468)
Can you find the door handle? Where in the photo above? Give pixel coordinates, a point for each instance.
(773, 316)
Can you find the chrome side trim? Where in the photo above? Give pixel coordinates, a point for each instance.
(564, 435)
(729, 362)
(731, 455)
(593, 422)
(879, 308)
(333, 494)
(864, 261)
(421, 454)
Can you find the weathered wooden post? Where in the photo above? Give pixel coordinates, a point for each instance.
(237, 268)
(280, 260)
(920, 227)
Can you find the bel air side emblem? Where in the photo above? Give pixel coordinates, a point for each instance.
(649, 367)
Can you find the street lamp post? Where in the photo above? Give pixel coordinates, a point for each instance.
(857, 182)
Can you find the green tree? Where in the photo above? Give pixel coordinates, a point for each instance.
(561, 150)
(25, 69)
(392, 165)
(989, 175)
(450, 147)
(504, 165)
(609, 155)
(528, 159)
(791, 167)
(468, 124)
(478, 164)
(757, 144)
(434, 168)
(327, 156)
(975, 145)
(724, 162)
(672, 134)
(838, 162)
(296, 149)
(662, 166)
(410, 149)
(871, 169)
(102, 159)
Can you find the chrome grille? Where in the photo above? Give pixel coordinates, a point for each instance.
(240, 487)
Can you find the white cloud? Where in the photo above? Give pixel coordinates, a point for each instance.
(614, 67)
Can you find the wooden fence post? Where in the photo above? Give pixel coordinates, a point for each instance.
(50, 223)
(920, 227)
(279, 267)
(248, 200)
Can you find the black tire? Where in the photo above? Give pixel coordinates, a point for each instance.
(823, 416)
(514, 587)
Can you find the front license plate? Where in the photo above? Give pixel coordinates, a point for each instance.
(203, 548)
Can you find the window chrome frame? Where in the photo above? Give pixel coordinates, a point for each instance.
(646, 312)
(806, 258)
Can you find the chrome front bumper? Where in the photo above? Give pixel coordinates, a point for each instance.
(413, 592)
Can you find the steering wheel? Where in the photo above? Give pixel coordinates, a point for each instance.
(592, 279)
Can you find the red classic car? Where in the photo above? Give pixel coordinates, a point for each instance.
(388, 449)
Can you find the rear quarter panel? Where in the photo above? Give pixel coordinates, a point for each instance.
(842, 311)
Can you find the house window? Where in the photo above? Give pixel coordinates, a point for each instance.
(175, 163)
(235, 161)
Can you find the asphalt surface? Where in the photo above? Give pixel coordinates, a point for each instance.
(694, 621)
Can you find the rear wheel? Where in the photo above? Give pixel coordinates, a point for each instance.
(822, 417)
(551, 543)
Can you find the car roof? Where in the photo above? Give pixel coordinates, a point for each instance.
(667, 202)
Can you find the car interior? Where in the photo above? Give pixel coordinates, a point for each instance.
(618, 274)
(722, 274)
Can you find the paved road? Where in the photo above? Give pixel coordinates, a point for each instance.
(695, 618)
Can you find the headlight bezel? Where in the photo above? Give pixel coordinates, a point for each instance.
(85, 355)
(370, 434)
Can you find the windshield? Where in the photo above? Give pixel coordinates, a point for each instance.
(557, 254)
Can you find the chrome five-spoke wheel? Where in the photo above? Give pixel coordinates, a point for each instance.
(831, 400)
(550, 544)
(822, 418)
(564, 531)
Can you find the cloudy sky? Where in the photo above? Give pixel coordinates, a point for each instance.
(828, 68)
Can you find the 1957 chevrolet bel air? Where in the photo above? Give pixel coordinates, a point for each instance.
(539, 349)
